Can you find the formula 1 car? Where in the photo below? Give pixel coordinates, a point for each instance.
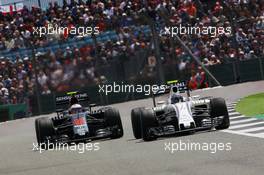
(78, 124)
(179, 114)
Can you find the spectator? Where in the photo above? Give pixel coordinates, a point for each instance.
(3, 94)
(59, 69)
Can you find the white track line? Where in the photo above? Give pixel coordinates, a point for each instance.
(232, 104)
(241, 121)
(245, 125)
(232, 110)
(233, 113)
(241, 116)
(231, 107)
(252, 129)
(244, 134)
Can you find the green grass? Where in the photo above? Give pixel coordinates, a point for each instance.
(252, 105)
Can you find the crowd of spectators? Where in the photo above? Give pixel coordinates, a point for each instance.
(246, 19)
(59, 70)
(15, 83)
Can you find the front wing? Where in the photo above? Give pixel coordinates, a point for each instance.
(169, 130)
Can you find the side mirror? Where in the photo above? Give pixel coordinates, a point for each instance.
(196, 96)
(59, 110)
(89, 108)
(161, 102)
(86, 109)
(93, 105)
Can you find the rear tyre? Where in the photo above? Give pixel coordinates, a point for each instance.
(148, 121)
(136, 122)
(44, 129)
(218, 108)
(113, 119)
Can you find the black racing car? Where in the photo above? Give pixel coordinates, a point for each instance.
(77, 124)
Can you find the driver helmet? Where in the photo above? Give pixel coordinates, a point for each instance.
(73, 100)
(76, 108)
(175, 98)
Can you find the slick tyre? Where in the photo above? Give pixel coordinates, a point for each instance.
(219, 108)
(136, 115)
(44, 129)
(148, 121)
(113, 119)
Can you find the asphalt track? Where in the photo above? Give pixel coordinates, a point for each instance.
(129, 156)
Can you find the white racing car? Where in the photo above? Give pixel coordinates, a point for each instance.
(179, 114)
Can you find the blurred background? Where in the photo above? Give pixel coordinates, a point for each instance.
(130, 48)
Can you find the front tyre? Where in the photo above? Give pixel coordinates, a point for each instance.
(113, 119)
(219, 108)
(149, 121)
(44, 129)
(136, 115)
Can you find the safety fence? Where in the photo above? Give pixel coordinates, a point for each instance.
(11, 112)
(239, 71)
(129, 73)
(227, 74)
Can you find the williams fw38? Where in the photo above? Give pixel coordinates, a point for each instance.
(78, 124)
(179, 114)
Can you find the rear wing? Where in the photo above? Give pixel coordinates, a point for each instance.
(65, 100)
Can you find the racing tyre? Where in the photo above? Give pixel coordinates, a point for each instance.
(113, 119)
(44, 129)
(218, 108)
(136, 122)
(148, 121)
